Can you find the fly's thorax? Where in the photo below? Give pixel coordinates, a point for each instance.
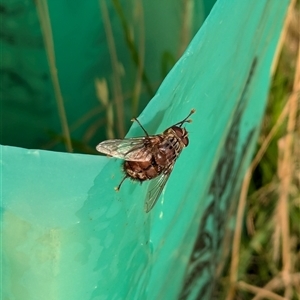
(173, 141)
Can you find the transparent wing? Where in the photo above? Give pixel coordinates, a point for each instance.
(156, 187)
(132, 149)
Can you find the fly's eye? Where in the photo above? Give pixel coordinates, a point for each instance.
(180, 132)
(185, 141)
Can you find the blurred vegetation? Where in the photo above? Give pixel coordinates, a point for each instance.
(267, 265)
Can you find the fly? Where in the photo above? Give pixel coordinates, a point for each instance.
(151, 157)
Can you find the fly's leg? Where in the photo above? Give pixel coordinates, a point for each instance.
(136, 120)
(119, 186)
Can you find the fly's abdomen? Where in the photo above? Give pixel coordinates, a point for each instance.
(142, 171)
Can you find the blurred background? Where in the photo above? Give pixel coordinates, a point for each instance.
(74, 73)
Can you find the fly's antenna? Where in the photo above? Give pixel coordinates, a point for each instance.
(186, 120)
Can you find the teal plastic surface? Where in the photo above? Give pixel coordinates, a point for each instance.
(68, 235)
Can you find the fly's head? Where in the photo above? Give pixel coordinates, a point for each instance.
(180, 132)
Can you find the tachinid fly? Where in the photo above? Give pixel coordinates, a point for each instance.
(151, 157)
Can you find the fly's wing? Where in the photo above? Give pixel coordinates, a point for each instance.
(132, 149)
(156, 187)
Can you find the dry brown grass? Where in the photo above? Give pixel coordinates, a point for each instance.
(282, 258)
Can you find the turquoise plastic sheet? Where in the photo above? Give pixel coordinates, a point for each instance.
(68, 235)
